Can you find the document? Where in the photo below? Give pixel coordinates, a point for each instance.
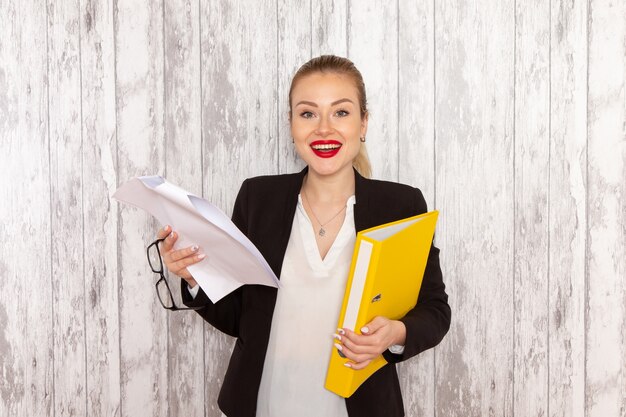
(231, 259)
(385, 278)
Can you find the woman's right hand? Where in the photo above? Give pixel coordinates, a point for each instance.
(177, 261)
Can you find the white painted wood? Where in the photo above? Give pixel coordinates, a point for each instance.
(474, 159)
(531, 170)
(239, 124)
(66, 204)
(99, 180)
(605, 393)
(490, 108)
(329, 32)
(373, 47)
(294, 49)
(567, 212)
(416, 148)
(183, 161)
(239, 97)
(26, 313)
(140, 151)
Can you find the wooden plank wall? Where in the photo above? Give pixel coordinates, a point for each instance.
(509, 115)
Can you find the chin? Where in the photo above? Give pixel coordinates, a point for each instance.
(328, 170)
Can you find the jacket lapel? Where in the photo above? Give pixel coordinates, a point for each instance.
(285, 219)
(363, 218)
(362, 213)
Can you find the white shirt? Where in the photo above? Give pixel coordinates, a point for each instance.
(305, 318)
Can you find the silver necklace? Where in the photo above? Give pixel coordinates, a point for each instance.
(322, 231)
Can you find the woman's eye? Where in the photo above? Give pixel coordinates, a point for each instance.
(306, 114)
(342, 113)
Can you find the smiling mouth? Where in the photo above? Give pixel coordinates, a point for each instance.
(325, 148)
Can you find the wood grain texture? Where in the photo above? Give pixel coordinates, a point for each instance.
(416, 149)
(99, 180)
(376, 56)
(68, 289)
(183, 160)
(329, 32)
(605, 393)
(26, 321)
(140, 138)
(532, 159)
(508, 115)
(239, 99)
(474, 160)
(567, 211)
(240, 131)
(295, 30)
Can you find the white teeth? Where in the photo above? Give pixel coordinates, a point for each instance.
(325, 147)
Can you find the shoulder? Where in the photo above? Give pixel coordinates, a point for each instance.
(268, 181)
(389, 187)
(268, 188)
(271, 193)
(393, 194)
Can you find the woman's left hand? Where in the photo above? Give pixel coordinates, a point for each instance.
(376, 336)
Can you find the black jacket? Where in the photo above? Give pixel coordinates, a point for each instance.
(264, 211)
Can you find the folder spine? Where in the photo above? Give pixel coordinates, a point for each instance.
(345, 380)
(385, 278)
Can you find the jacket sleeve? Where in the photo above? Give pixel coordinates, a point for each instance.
(226, 313)
(429, 321)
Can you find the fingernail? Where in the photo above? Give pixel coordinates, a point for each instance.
(364, 330)
(347, 365)
(336, 336)
(171, 236)
(166, 228)
(201, 256)
(339, 347)
(340, 331)
(194, 248)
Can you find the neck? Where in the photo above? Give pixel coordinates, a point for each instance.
(328, 189)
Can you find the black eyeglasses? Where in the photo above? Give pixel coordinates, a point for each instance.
(162, 287)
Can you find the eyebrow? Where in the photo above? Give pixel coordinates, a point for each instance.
(310, 103)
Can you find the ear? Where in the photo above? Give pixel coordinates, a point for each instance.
(364, 124)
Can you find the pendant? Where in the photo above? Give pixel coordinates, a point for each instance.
(322, 232)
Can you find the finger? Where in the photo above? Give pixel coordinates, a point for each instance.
(177, 255)
(359, 365)
(356, 348)
(354, 356)
(350, 341)
(374, 325)
(168, 243)
(164, 232)
(357, 339)
(185, 262)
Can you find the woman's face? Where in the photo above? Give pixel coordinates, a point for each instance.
(326, 122)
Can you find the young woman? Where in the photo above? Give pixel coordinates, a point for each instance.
(305, 226)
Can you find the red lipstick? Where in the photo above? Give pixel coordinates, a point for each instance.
(325, 148)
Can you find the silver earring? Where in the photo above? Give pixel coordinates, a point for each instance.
(362, 139)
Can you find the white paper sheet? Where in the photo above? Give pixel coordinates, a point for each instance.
(231, 259)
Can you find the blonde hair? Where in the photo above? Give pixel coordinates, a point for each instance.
(343, 66)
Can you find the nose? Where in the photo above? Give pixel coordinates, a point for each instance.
(324, 126)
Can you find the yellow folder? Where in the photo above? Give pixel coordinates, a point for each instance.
(385, 278)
